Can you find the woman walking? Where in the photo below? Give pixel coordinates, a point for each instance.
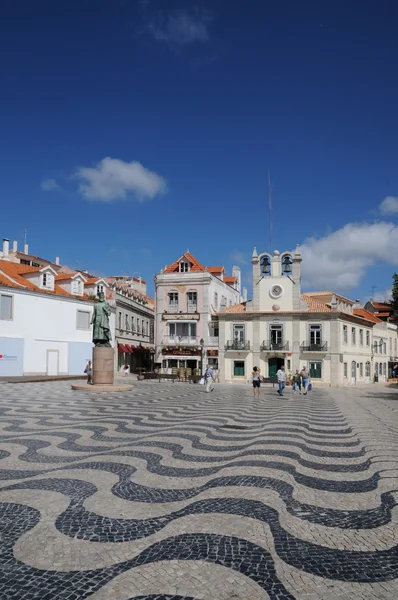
(256, 382)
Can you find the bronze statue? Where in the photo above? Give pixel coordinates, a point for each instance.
(101, 330)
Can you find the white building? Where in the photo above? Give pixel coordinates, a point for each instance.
(281, 326)
(188, 297)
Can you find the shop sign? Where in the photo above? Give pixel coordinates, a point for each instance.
(180, 351)
(212, 353)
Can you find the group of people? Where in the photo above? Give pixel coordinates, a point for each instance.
(301, 380)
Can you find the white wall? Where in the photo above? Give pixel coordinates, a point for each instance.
(46, 322)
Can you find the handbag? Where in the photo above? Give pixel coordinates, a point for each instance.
(202, 381)
(309, 387)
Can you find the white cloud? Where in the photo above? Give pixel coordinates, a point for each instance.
(48, 185)
(238, 257)
(114, 179)
(340, 259)
(389, 206)
(181, 27)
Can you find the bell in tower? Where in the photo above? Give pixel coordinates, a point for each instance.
(265, 265)
(287, 264)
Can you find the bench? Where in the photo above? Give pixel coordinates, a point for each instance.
(272, 380)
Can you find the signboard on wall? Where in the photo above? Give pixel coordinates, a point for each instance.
(11, 357)
(180, 351)
(181, 317)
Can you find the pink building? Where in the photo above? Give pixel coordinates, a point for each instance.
(188, 297)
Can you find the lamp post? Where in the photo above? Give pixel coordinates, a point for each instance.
(202, 343)
(152, 353)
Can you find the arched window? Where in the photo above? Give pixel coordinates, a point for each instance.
(265, 265)
(173, 301)
(286, 264)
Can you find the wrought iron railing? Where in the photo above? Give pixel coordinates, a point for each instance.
(271, 346)
(237, 345)
(185, 340)
(314, 347)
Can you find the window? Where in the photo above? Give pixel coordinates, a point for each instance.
(361, 369)
(384, 368)
(385, 347)
(184, 267)
(315, 370)
(126, 319)
(182, 330)
(83, 319)
(376, 369)
(345, 334)
(239, 368)
(315, 335)
(34, 264)
(345, 370)
(353, 369)
(44, 279)
(77, 287)
(368, 338)
(25, 262)
(173, 300)
(100, 289)
(6, 307)
(143, 327)
(353, 335)
(390, 346)
(375, 348)
(361, 337)
(239, 334)
(215, 300)
(192, 302)
(132, 324)
(276, 335)
(120, 320)
(367, 369)
(138, 325)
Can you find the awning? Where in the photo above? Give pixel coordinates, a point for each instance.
(122, 348)
(128, 348)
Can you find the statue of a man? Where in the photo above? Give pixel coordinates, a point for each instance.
(101, 330)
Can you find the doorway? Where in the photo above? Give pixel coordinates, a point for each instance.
(274, 364)
(52, 362)
(316, 370)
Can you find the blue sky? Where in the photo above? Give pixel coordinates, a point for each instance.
(133, 130)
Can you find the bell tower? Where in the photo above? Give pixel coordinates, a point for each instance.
(277, 281)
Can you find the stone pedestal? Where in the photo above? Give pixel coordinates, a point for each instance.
(103, 366)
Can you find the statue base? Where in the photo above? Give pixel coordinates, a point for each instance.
(116, 387)
(103, 366)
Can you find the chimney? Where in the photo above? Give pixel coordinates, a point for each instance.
(15, 246)
(26, 249)
(6, 247)
(57, 260)
(244, 294)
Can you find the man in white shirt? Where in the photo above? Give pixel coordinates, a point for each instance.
(281, 376)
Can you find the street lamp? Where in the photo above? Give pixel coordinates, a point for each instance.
(152, 353)
(202, 343)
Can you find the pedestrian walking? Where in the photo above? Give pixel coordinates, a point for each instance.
(209, 377)
(296, 382)
(305, 376)
(256, 375)
(281, 376)
(394, 371)
(89, 372)
(126, 369)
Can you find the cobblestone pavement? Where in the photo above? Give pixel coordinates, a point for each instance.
(168, 493)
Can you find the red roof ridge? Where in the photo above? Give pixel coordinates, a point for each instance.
(366, 314)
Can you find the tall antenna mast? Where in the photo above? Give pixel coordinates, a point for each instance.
(25, 231)
(270, 212)
(373, 291)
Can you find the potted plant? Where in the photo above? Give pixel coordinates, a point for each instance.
(289, 378)
(140, 376)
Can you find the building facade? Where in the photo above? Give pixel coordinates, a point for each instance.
(281, 326)
(134, 324)
(44, 329)
(188, 298)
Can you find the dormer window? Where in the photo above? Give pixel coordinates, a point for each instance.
(100, 289)
(47, 281)
(184, 267)
(77, 287)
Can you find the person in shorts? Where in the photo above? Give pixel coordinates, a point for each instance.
(297, 382)
(305, 376)
(256, 381)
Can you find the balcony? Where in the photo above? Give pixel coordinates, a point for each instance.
(274, 346)
(237, 345)
(186, 340)
(213, 340)
(314, 347)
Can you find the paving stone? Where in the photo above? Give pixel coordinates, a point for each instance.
(146, 496)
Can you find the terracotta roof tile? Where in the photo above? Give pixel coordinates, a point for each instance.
(195, 264)
(15, 279)
(366, 314)
(215, 269)
(382, 305)
(315, 305)
(230, 280)
(236, 308)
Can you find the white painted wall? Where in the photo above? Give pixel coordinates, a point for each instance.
(46, 322)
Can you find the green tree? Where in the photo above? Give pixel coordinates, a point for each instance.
(394, 293)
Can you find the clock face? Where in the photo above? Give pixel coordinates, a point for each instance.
(276, 291)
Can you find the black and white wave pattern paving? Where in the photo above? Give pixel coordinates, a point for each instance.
(156, 495)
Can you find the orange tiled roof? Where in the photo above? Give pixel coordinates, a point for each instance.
(315, 305)
(230, 279)
(366, 314)
(382, 305)
(195, 264)
(215, 269)
(382, 314)
(236, 308)
(329, 293)
(12, 276)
